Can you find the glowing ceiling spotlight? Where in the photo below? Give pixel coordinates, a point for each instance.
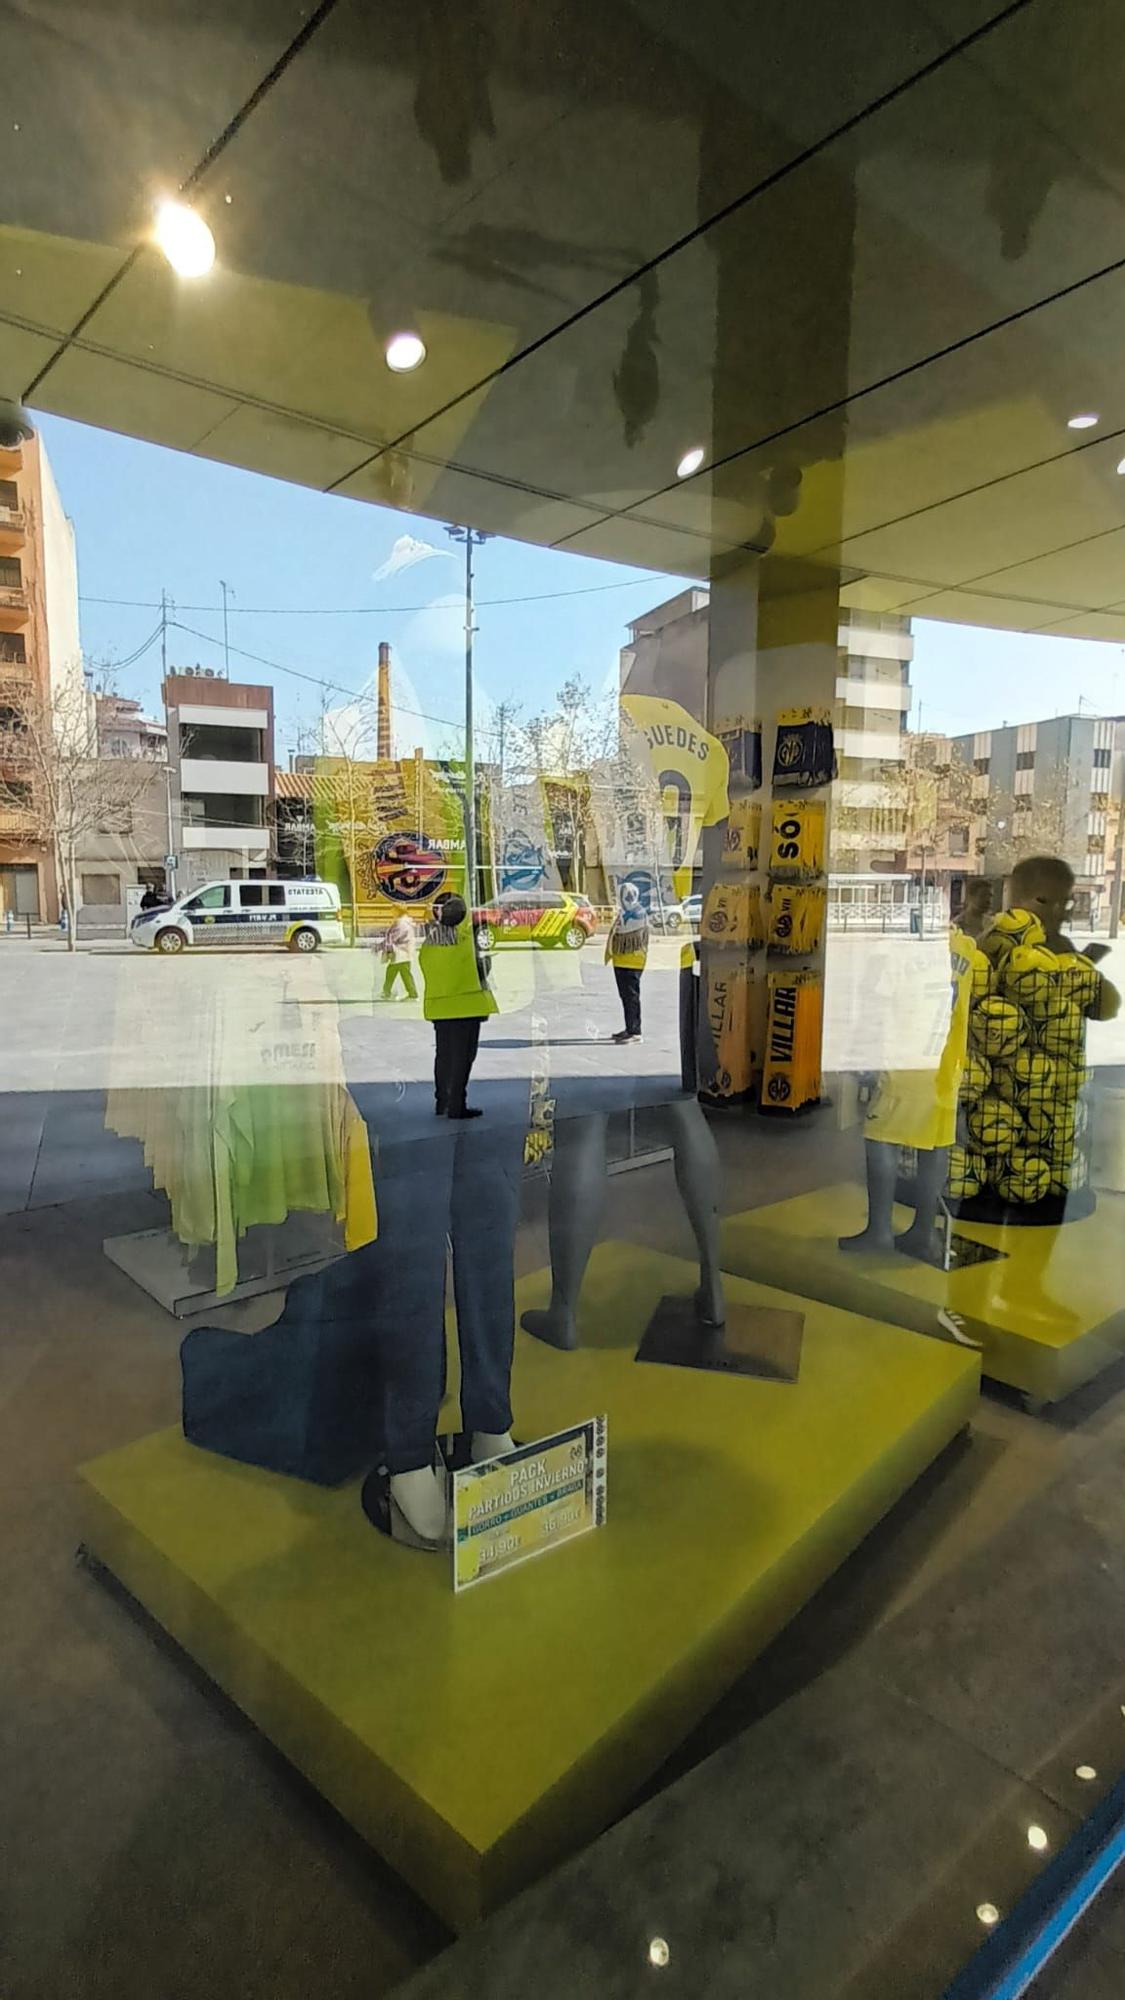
(184, 238)
(405, 351)
(690, 462)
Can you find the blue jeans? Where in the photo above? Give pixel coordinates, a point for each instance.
(464, 1188)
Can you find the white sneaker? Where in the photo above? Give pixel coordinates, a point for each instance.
(953, 1324)
(490, 1444)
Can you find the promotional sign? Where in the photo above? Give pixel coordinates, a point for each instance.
(531, 1500)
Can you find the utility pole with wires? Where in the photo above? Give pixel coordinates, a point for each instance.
(227, 592)
(472, 538)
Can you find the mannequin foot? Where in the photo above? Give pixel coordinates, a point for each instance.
(710, 1306)
(421, 1498)
(556, 1329)
(916, 1242)
(467, 1111)
(878, 1242)
(490, 1444)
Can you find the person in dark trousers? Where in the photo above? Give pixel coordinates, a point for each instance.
(626, 950)
(153, 898)
(456, 998)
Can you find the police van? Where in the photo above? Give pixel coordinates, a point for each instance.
(301, 915)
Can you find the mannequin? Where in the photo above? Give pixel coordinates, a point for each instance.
(917, 1107)
(882, 1173)
(577, 1204)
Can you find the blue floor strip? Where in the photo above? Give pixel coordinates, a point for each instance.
(1012, 1957)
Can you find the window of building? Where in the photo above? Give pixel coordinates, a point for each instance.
(11, 573)
(221, 743)
(1024, 803)
(17, 792)
(13, 650)
(1095, 843)
(222, 809)
(1103, 758)
(982, 766)
(1025, 760)
(958, 840)
(101, 889)
(9, 494)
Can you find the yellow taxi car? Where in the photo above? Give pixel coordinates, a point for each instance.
(546, 917)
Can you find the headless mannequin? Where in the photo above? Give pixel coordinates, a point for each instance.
(578, 1201)
(882, 1173)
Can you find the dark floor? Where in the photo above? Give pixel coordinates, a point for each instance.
(154, 1845)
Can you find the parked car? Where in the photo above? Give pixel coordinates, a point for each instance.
(545, 917)
(693, 909)
(666, 917)
(302, 915)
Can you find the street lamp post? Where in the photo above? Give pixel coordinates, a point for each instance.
(472, 538)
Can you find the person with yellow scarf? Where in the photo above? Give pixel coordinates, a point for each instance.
(626, 949)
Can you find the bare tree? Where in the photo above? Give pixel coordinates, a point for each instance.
(934, 791)
(55, 786)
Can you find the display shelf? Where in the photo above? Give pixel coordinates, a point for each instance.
(474, 1741)
(1047, 1310)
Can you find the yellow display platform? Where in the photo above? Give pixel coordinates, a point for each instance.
(475, 1740)
(1050, 1312)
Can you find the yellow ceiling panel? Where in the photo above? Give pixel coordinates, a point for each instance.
(968, 607)
(1088, 576)
(444, 493)
(281, 446)
(97, 390)
(1016, 519)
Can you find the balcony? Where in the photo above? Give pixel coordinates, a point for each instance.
(13, 530)
(14, 611)
(253, 839)
(210, 774)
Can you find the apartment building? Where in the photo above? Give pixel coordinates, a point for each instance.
(1045, 788)
(221, 763)
(869, 874)
(40, 652)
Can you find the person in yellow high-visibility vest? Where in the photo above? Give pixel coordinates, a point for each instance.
(456, 998)
(626, 949)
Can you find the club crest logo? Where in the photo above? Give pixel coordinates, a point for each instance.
(407, 867)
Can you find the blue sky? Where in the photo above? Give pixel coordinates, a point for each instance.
(147, 518)
(970, 677)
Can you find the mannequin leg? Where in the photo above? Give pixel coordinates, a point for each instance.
(697, 1178)
(577, 1198)
(931, 1176)
(486, 1178)
(882, 1163)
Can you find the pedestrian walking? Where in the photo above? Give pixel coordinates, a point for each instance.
(626, 949)
(399, 946)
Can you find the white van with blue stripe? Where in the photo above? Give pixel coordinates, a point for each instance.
(300, 915)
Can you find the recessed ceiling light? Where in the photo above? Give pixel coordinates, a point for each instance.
(1086, 1772)
(1037, 1839)
(405, 351)
(988, 1913)
(185, 239)
(1121, 465)
(658, 1952)
(690, 462)
(1084, 421)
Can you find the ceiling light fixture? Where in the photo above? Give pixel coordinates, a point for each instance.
(405, 351)
(690, 462)
(1086, 1772)
(1121, 465)
(658, 1952)
(185, 239)
(1037, 1839)
(1084, 421)
(988, 1913)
